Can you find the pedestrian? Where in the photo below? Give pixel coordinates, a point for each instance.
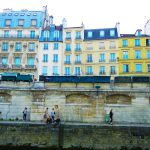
(111, 117)
(52, 115)
(25, 114)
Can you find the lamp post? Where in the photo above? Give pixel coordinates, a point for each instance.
(97, 105)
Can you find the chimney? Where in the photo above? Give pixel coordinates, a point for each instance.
(118, 28)
(51, 19)
(64, 23)
(147, 28)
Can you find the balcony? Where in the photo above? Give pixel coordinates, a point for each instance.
(68, 38)
(89, 61)
(102, 73)
(2, 66)
(112, 72)
(14, 36)
(112, 60)
(78, 62)
(67, 62)
(16, 66)
(67, 50)
(30, 67)
(102, 60)
(55, 74)
(77, 49)
(78, 38)
(89, 73)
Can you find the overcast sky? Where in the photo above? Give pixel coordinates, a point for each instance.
(132, 14)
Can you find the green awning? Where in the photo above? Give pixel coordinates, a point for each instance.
(9, 74)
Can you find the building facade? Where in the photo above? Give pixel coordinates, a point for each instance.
(134, 51)
(19, 34)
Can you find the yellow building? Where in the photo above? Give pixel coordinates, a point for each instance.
(100, 52)
(134, 54)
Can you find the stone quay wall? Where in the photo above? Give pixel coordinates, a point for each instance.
(76, 102)
(65, 136)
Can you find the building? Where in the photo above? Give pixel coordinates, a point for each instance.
(100, 52)
(134, 51)
(50, 48)
(72, 50)
(19, 34)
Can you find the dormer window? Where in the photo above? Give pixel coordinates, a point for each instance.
(138, 33)
(29, 14)
(102, 33)
(10, 14)
(22, 14)
(46, 34)
(56, 34)
(16, 14)
(90, 34)
(35, 14)
(112, 32)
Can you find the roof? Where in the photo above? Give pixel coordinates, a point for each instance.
(96, 34)
(132, 35)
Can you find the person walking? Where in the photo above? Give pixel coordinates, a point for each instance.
(53, 115)
(25, 114)
(111, 117)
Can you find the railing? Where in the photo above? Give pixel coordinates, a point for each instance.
(112, 60)
(89, 61)
(102, 73)
(77, 49)
(78, 62)
(2, 66)
(67, 50)
(67, 62)
(78, 37)
(68, 38)
(89, 73)
(112, 72)
(30, 67)
(16, 66)
(10, 36)
(102, 60)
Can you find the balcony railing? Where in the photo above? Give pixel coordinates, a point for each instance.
(89, 61)
(16, 66)
(112, 60)
(89, 73)
(102, 73)
(112, 72)
(77, 49)
(2, 66)
(78, 37)
(55, 74)
(78, 62)
(30, 67)
(102, 60)
(68, 38)
(12, 36)
(67, 62)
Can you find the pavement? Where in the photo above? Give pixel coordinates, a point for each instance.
(39, 123)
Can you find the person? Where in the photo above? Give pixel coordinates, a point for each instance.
(47, 117)
(25, 114)
(52, 115)
(111, 117)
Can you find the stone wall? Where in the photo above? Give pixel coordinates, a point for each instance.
(88, 136)
(79, 103)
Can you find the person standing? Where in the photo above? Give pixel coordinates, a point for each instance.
(25, 114)
(53, 115)
(111, 117)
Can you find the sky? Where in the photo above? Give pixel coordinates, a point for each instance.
(132, 14)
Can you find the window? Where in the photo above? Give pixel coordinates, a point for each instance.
(32, 34)
(148, 67)
(148, 54)
(5, 46)
(78, 35)
(35, 14)
(102, 69)
(45, 57)
(77, 48)
(138, 54)
(102, 33)
(112, 70)
(125, 68)
(17, 61)
(112, 32)
(6, 33)
(16, 14)
(7, 22)
(90, 34)
(102, 58)
(77, 71)
(29, 14)
(68, 35)
(67, 70)
(55, 58)
(10, 14)
(18, 46)
(68, 47)
(138, 67)
(20, 22)
(112, 57)
(44, 70)
(67, 59)
(45, 46)
(101, 45)
(46, 34)
(147, 42)
(89, 70)
(124, 43)
(56, 46)
(19, 33)
(55, 70)
(31, 46)
(89, 58)
(33, 22)
(89, 46)
(22, 14)
(4, 60)
(112, 44)
(77, 58)
(31, 61)
(137, 42)
(56, 34)
(125, 54)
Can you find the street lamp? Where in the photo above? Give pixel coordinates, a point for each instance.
(97, 105)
